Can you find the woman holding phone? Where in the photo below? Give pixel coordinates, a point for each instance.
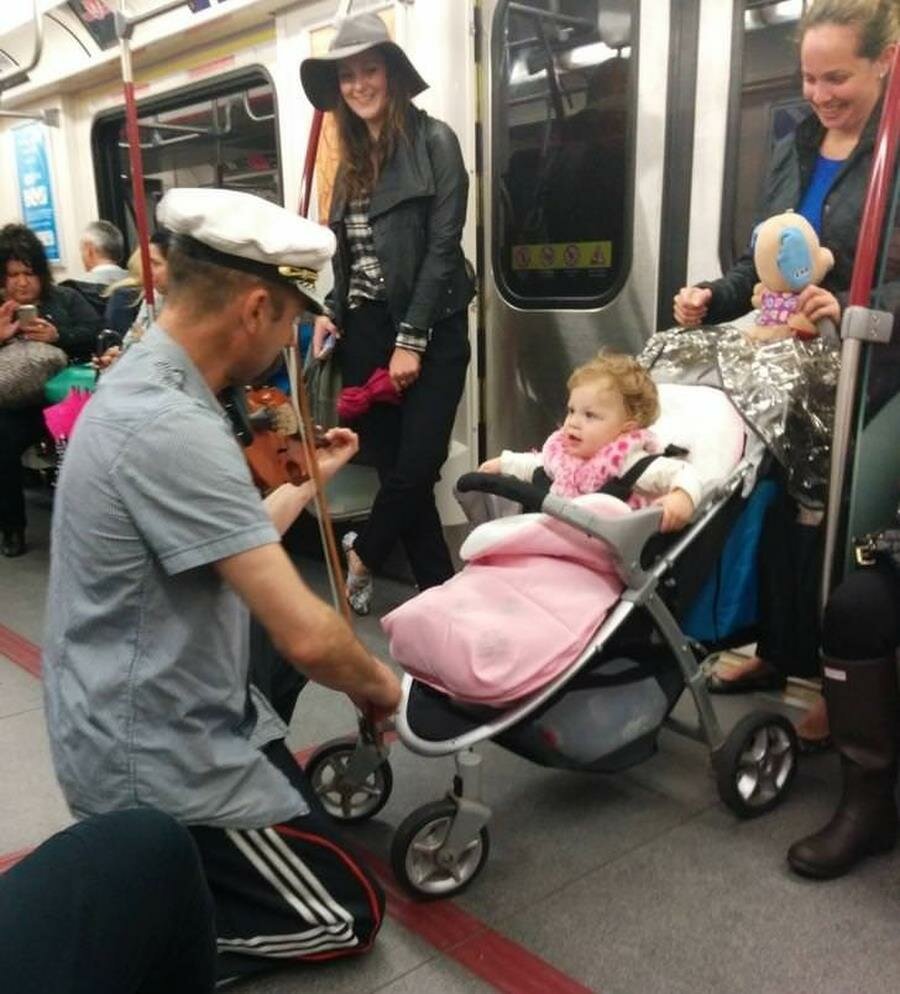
(37, 311)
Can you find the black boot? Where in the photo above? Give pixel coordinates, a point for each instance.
(862, 702)
(13, 543)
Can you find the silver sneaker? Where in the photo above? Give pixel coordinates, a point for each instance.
(359, 588)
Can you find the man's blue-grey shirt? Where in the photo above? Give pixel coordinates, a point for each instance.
(145, 654)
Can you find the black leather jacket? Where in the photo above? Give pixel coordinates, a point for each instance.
(417, 211)
(790, 171)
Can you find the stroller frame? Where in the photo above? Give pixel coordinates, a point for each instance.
(442, 846)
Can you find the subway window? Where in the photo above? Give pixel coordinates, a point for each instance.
(771, 105)
(561, 146)
(223, 136)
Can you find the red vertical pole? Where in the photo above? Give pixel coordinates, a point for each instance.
(309, 163)
(137, 169)
(879, 190)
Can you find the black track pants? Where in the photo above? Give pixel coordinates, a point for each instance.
(287, 893)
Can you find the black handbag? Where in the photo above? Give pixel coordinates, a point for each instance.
(880, 548)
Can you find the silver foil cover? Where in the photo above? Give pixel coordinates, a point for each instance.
(783, 390)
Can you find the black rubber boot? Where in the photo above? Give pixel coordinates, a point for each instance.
(863, 714)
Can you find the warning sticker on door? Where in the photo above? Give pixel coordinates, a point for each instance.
(562, 255)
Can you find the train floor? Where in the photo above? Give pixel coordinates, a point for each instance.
(640, 883)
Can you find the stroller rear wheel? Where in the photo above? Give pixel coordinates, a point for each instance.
(349, 793)
(755, 767)
(420, 859)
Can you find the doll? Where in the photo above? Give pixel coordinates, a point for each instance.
(788, 258)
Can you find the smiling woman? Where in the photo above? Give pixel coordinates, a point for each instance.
(821, 170)
(401, 287)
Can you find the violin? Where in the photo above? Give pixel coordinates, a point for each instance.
(266, 424)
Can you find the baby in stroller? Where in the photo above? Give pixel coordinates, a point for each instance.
(560, 639)
(605, 445)
(528, 600)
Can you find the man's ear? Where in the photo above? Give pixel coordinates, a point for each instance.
(256, 307)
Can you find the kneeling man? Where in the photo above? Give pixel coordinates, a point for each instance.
(160, 546)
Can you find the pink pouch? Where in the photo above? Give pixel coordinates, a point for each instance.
(515, 617)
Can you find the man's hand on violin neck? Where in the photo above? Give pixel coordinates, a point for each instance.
(343, 444)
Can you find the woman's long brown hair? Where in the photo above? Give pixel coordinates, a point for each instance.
(361, 158)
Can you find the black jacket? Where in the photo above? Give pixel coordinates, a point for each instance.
(74, 318)
(417, 211)
(790, 171)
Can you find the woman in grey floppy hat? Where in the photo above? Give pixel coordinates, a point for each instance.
(401, 288)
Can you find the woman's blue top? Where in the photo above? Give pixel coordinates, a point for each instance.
(813, 199)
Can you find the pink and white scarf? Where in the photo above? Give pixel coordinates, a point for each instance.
(573, 476)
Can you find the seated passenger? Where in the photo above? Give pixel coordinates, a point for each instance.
(101, 248)
(127, 312)
(124, 297)
(612, 402)
(860, 640)
(64, 319)
(115, 904)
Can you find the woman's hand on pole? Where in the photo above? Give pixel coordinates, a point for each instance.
(322, 328)
(691, 305)
(817, 304)
(404, 368)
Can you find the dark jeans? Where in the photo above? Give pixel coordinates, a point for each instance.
(862, 617)
(407, 443)
(18, 430)
(116, 904)
(790, 567)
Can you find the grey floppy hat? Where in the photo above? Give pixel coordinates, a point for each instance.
(318, 74)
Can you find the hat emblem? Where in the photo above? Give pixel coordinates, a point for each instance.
(301, 275)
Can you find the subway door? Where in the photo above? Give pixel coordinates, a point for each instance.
(573, 113)
(439, 37)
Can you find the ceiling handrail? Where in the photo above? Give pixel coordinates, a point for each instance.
(19, 75)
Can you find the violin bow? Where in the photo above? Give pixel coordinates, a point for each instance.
(300, 403)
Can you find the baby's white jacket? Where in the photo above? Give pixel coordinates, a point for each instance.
(661, 477)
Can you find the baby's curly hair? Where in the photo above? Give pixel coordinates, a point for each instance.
(626, 375)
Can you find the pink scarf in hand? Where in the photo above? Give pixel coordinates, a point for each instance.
(573, 476)
(354, 402)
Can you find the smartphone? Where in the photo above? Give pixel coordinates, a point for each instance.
(327, 346)
(26, 314)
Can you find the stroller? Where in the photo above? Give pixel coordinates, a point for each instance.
(603, 707)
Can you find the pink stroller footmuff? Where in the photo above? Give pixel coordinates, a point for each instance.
(532, 594)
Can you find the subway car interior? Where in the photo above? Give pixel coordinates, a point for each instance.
(615, 152)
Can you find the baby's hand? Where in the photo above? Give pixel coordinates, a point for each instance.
(491, 466)
(678, 509)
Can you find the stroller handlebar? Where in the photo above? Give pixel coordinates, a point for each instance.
(527, 494)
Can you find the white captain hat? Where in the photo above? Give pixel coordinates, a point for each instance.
(244, 232)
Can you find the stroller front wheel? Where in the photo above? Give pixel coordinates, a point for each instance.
(351, 787)
(755, 767)
(423, 864)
